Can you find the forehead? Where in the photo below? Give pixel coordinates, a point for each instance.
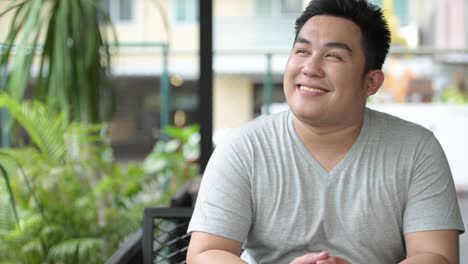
(326, 28)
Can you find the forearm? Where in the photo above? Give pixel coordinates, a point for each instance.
(426, 258)
(215, 257)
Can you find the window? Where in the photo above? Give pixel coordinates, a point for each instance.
(276, 8)
(119, 10)
(291, 6)
(263, 7)
(401, 10)
(186, 11)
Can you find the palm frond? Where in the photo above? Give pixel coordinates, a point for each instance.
(6, 177)
(45, 128)
(7, 219)
(13, 6)
(74, 61)
(164, 19)
(81, 248)
(24, 55)
(32, 248)
(18, 19)
(9, 158)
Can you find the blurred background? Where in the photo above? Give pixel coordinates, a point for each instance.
(146, 56)
(426, 71)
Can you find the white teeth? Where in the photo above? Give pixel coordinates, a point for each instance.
(311, 89)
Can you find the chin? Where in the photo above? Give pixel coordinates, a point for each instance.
(307, 114)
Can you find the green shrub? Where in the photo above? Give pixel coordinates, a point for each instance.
(66, 200)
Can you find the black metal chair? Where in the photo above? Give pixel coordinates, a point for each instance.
(165, 238)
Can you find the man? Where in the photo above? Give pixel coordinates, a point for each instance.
(329, 181)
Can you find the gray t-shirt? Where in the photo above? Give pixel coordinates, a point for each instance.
(263, 188)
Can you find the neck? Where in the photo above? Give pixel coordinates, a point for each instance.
(334, 140)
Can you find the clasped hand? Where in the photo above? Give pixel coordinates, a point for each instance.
(319, 258)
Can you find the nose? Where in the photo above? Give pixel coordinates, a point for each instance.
(313, 67)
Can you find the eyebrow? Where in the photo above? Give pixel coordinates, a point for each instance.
(339, 45)
(300, 39)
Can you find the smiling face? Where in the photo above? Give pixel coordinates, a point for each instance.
(324, 80)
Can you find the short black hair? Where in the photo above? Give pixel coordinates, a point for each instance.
(368, 17)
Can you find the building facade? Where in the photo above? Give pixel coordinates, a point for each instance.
(252, 39)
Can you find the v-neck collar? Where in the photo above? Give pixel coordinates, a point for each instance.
(343, 163)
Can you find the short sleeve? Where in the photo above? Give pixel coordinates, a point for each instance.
(224, 203)
(432, 201)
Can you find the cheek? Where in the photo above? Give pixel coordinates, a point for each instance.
(290, 73)
(344, 79)
(289, 70)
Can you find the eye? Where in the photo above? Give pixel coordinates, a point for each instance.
(301, 51)
(334, 56)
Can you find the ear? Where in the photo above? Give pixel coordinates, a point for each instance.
(374, 80)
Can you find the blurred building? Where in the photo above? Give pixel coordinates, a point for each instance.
(252, 39)
(451, 25)
(245, 31)
(451, 32)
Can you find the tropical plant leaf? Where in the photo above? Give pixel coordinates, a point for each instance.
(24, 51)
(80, 248)
(6, 177)
(7, 219)
(18, 19)
(12, 6)
(45, 128)
(74, 61)
(32, 247)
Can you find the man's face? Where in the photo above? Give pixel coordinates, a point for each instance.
(324, 79)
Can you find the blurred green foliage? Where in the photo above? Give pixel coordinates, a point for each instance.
(454, 95)
(64, 199)
(64, 45)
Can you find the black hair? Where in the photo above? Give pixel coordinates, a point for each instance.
(368, 17)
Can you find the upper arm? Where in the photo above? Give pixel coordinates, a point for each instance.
(201, 242)
(431, 202)
(224, 204)
(442, 242)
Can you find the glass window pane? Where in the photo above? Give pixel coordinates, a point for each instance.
(401, 10)
(291, 6)
(125, 10)
(192, 12)
(186, 11)
(263, 7)
(181, 10)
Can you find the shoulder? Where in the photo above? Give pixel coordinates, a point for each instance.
(262, 128)
(395, 128)
(407, 142)
(243, 144)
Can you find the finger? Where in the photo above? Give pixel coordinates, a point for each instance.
(335, 260)
(323, 262)
(311, 258)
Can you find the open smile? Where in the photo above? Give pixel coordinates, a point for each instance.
(311, 90)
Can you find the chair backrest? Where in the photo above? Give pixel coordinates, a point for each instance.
(165, 238)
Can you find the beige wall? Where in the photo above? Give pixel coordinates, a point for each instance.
(232, 101)
(237, 8)
(146, 26)
(4, 21)
(233, 8)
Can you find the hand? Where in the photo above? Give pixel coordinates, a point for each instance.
(332, 260)
(310, 258)
(319, 258)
